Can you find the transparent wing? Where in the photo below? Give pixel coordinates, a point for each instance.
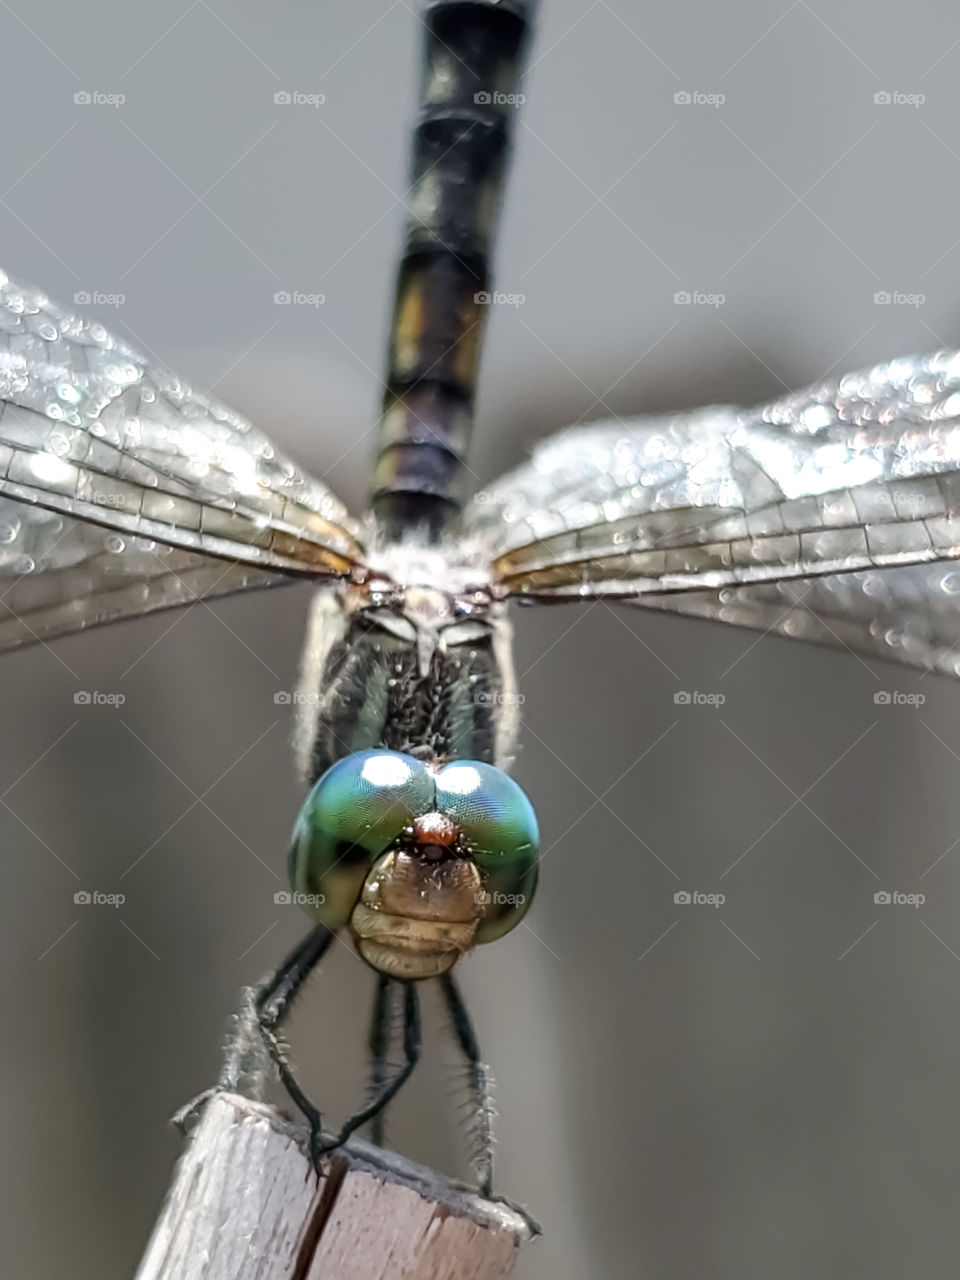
(909, 615)
(854, 474)
(59, 574)
(90, 430)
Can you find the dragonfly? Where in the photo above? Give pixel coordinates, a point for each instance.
(830, 515)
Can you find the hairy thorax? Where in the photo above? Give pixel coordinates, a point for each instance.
(407, 665)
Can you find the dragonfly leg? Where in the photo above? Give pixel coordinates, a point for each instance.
(390, 1088)
(252, 1049)
(381, 1028)
(246, 1065)
(273, 998)
(480, 1124)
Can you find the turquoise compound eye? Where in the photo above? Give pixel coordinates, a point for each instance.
(499, 829)
(357, 808)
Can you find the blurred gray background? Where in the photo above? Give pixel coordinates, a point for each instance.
(770, 1087)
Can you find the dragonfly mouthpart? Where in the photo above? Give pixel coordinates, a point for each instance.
(418, 911)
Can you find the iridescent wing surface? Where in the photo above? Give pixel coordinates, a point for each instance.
(908, 614)
(829, 513)
(122, 490)
(59, 575)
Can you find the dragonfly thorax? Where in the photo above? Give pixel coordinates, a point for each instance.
(409, 667)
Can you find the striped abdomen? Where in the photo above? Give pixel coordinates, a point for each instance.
(471, 70)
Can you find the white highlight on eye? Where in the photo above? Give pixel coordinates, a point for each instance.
(386, 771)
(461, 779)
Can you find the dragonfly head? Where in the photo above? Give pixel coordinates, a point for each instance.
(422, 861)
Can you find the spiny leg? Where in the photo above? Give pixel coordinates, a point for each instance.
(273, 999)
(381, 1034)
(389, 1089)
(250, 1045)
(480, 1128)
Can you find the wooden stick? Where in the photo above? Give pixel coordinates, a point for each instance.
(246, 1204)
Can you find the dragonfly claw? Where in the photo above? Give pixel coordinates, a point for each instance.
(321, 1146)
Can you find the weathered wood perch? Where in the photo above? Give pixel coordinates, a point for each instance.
(246, 1204)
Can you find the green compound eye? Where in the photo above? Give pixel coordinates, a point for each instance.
(355, 810)
(499, 829)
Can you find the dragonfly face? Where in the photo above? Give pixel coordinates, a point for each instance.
(421, 860)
